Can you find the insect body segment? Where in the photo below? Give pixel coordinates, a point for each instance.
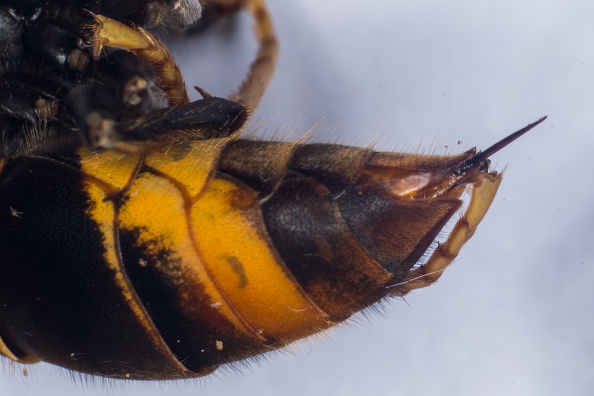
(200, 255)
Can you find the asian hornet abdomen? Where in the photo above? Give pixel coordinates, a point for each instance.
(168, 265)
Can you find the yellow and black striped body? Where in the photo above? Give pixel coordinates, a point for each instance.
(167, 265)
(164, 256)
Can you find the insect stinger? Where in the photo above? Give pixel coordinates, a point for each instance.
(439, 184)
(482, 156)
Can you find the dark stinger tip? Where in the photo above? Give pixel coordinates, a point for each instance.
(505, 141)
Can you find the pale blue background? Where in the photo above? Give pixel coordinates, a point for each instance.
(515, 313)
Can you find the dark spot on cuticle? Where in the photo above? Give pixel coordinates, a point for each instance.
(237, 267)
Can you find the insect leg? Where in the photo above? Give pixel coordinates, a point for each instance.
(261, 71)
(482, 195)
(474, 172)
(139, 133)
(108, 32)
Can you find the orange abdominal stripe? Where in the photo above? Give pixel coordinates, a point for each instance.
(217, 250)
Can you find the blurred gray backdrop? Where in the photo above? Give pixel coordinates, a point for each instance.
(514, 315)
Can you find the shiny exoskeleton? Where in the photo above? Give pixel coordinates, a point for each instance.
(166, 265)
(141, 239)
